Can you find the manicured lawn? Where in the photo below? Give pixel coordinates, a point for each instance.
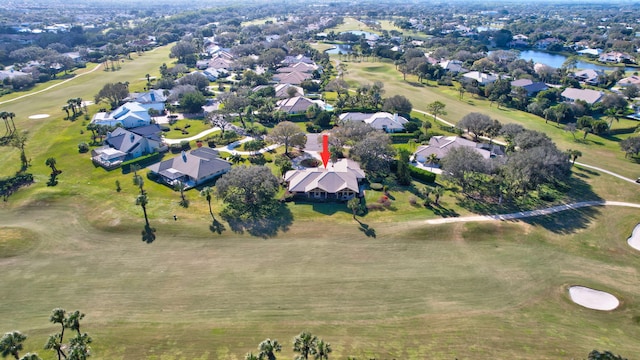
(195, 126)
(601, 151)
(388, 286)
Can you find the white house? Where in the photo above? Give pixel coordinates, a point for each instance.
(122, 145)
(440, 146)
(129, 115)
(154, 99)
(380, 120)
(480, 77)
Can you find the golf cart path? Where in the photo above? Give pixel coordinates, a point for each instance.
(52, 86)
(532, 213)
(194, 137)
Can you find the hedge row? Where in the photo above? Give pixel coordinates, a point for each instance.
(142, 161)
(422, 175)
(401, 138)
(9, 185)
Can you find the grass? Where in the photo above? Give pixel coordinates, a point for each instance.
(597, 150)
(195, 127)
(388, 286)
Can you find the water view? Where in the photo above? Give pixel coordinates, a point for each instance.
(340, 49)
(556, 61)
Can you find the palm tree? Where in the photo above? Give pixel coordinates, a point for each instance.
(354, 205)
(574, 155)
(142, 200)
(426, 191)
(51, 162)
(4, 115)
(180, 186)
(139, 182)
(432, 159)
(72, 104)
(207, 192)
(66, 109)
(11, 344)
(268, 348)
(11, 115)
(305, 344)
(55, 343)
(324, 348)
(438, 191)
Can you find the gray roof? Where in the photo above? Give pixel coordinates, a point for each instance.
(152, 131)
(343, 175)
(295, 104)
(587, 95)
(197, 164)
(441, 145)
(123, 140)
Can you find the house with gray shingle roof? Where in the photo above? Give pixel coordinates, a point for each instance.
(531, 87)
(191, 168)
(122, 145)
(297, 104)
(587, 95)
(441, 145)
(381, 120)
(339, 181)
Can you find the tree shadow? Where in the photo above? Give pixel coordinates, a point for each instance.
(366, 229)
(148, 234)
(265, 225)
(441, 211)
(217, 227)
(566, 222)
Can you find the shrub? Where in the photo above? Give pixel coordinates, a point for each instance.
(374, 206)
(310, 163)
(422, 175)
(413, 200)
(83, 147)
(376, 186)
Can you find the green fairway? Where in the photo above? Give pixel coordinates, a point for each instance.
(601, 151)
(385, 286)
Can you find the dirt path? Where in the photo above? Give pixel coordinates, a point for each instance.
(532, 213)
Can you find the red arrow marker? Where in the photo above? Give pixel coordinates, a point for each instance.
(325, 154)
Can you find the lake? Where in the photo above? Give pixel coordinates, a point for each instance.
(344, 49)
(556, 61)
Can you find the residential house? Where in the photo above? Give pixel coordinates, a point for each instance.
(531, 87)
(590, 52)
(587, 95)
(381, 120)
(122, 145)
(289, 60)
(631, 80)
(589, 76)
(283, 91)
(10, 74)
(191, 168)
(480, 77)
(154, 99)
(213, 74)
(339, 181)
(294, 78)
(452, 66)
(441, 145)
(297, 104)
(616, 57)
(129, 115)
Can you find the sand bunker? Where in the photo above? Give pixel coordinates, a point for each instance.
(634, 240)
(39, 116)
(593, 299)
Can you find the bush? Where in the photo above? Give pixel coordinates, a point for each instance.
(376, 186)
(83, 147)
(401, 138)
(142, 161)
(422, 175)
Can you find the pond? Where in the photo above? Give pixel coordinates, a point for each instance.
(556, 61)
(344, 49)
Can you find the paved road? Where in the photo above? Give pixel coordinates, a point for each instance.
(532, 213)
